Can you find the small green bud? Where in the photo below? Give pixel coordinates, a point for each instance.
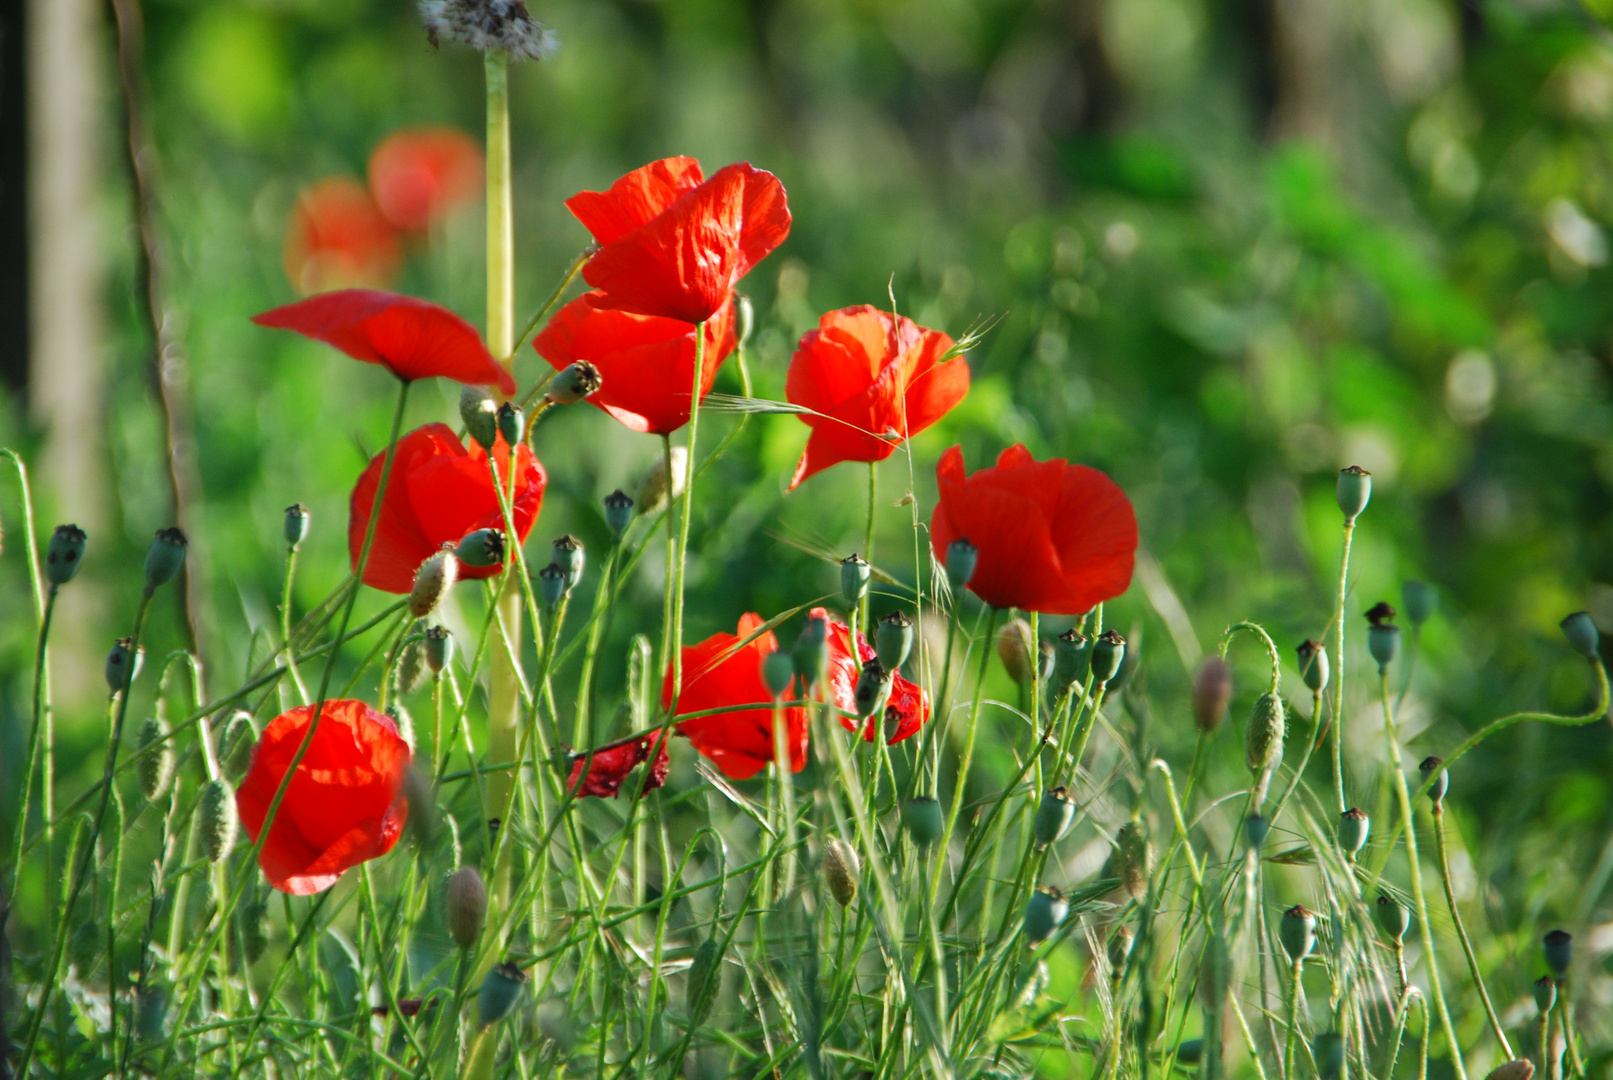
(1354, 492)
(893, 640)
(465, 902)
(510, 422)
(1119, 951)
(1107, 653)
(705, 979)
(423, 815)
(811, 653)
(164, 557)
(1071, 658)
(618, 512)
(1044, 913)
(1297, 932)
(1354, 828)
(1433, 766)
(1559, 947)
(854, 577)
(1212, 693)
(1255, 831)
(778, 672)
(1419, 600)
(432, 582)
(924, 820)
(235, 745)
(1581, 632)
(64, 554)
(962, 558)
(841, 870)
(578, 381)
(217, 818)
(481, 549)
(1328, 1050)
(1263, 739)
(479, 413)
(439, 648)
(155, 766)
(1394, 918)
(1313, 665)
(1014, 647)
(251, 920)
(1545, 994)
(296, 525)
(1053, 816)
(552, 585)
(411, 666)
(123, 664)
(499, 992)
(570, 557)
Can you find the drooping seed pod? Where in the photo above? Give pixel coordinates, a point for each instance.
(1314, 669)
(778, 672)
(151, 1013)
(1581, 632)
(1212, 693)
(479, 413)
(1255, 831)
(296, 525)
(465, 906)
(552, 585)
(1394, 918)
(164, 557)
(1559, 949)
(1263, 739)
(1053, 816)
(705, 979)
(893, 641)
(123, 664)
(155, 766)
(652, 488)
(251, 919)
(1354, 827)
(217, 818)
(432, 582)
(924, 820)
(570, 557)
(1435, 767)
(1015, 646)
(1071, 658)
(1131, 858)
(1545, 994)
(618, 512)
(498, 993)
(235, 745)
(1043, 914)
(841, 870)
(1328, 1050)
(811, 652)
(64, 554)
(439, 648)
(1419, 600)
(578, 381)
(481, 548)
(510, 423)
(1107, 654)
(1297, 932)
(855, 573)
(1354, 491)
(961, 560)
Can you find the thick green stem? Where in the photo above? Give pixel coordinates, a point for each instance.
(676, 633)
(1338, 680)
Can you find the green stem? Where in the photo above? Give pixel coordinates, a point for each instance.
(38, 724)
(1338, 682)
(285, 624)
(676, 635)
(1461, 931)
(868, 542)
(961, 784)
(1294, 978)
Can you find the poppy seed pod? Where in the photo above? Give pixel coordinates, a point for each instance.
(1263, 739)
(155, 766)
(893, 640)
(479, 413)
(432, 582)
(841, 870)
(1014, 647)
(1383, 642)
(1212, 693)
(1255, 831)
(235, 745)
(1545, 994)
(1044, 913)
(510, 421)
(1581, 632)
(580, 380)
(1071, 656)
(482, 548)
(1190, 1051)
(924, 820)
(123, 664)
(465, 905)
(64, 553)
(499, 993)
(1354, 827)
(778, 671)
(1433, 766)
(1394, 918)
(962, 558)
(873, 689)
(811, 652)
(618, 511)
(1053, 816)
(1559, 948)
(1328, 1050)
(1107, 653)
(552, 585)
(570, 557)
(218, 820)
(854, 576)
(1354, 491)
(1419, 600)
(705, 979)
(1313, 665)
(439, 648)
(1297, 932)
(296, 525)
(652, 488)
(488, 26)
(164, 557)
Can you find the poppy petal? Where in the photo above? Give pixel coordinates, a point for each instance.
(720, 672)
(636, 198)
(610, 765)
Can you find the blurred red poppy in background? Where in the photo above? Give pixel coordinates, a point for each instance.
(673, 243)
(911, 703)
(437, 493)
(646, 363)
(1053, 537)
(716, 674)
(877, 378)
(337, 238)
(418, 175)
(345, 804)
(612, 763)
(413, 339)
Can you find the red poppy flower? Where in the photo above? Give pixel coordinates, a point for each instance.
(911, 703)
(437, 493)
(337, 238)
(611, 764)
(418, 174)
(717, 674)
(876, 378)
(413, 339)
(645, 363)
(345, 804)
(1053, 537)
(673, 243)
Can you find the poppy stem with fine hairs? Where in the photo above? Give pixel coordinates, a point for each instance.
(675, 633)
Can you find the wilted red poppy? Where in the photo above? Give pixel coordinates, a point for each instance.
(611, 764)
(1052, 537)
(645, 363)
(337, 238)
(911, 703)
(413, 339)
(673, 243)
(345, 804)
(417, 175)
(877, 379)
(437, 493)
(717, 674)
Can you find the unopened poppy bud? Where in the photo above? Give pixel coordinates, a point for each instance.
(64, 553)
(1297, 932)
(1107, 653)
(296, 525)
(893, 641)
(1545, 994)
(465, 903)
(1045, 662)
(1581, 632)
(705, 979)
(164, 557)
(155, 766)
(811, 652)
(1313, 665)
(1328, 1050)
(618, 511)
(652, 489)
(510, 421)
(778, 672)
(854, 576)
(578, 381)
(250, 918)
(235, 745)
(1014, 646)
(423, 816)
(1130, 861)
(841, 870)
(570, 557)
(481, 549)
(893, 722)
(123, 664)
(1263, 739)
(924, 820)
(1559, 948)
(873, 688)
(1394, 918)
(499, 993)
(217, 818)
(744, 319)
(432, 582)
(439, 648)
(1190, 1052)
(1435, 767)
(1212, 693)
(962, 558)
(411, 667)
(1255, 831)
(552, 585)
(1053, 816)
(403, 720)
(1354, 492)
(1354, 827)
(479, 413)
(1071, 658)
(1043, 914)
(151, 1013)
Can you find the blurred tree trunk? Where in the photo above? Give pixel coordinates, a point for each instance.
(13, 197)
(1307, 55)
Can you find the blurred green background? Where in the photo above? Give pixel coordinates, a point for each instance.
(1225, 247)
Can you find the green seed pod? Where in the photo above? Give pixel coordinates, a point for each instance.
(552, 585)
(1419, 600)
(1255, 831)
(1328, 1050)
(1263, 739)
(1053, 816)
(1383, 642)
(164, 557)
(873, 689)
(1131, 858)
(811, 653)
(439, 648)
(1212, 693)
(479, 413)
(481, 548)
(120, 660)
(855, 573)
(1354, 491)
(423, 816)
(619, 511)
(235, 746)
(1313, 665)
(251, 922)
(1545, 994)
(64, 554)
(1072, 654)
(1190, 1052)
(705, 979)
(155, 766)
(510, 423)
(778, 672)
(1559, 948)
(1354, 827)
(924, 819)
(578, 381)
(432, 582)
(1015, 646)
(893, 641)
(1435, 767)
(961, 560)
(151, 1013)
(1393, 917)
(570, 557)
(217, 818)
(1107, 654)
(465, 902)
(1297, 932)
(295, 529)
(1581, 632)
(841, 870)
(1044, 913)
(499, 992)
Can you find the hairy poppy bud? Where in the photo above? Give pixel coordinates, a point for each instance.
(705, 979)
(811, 653)
(578, 381)
(465, 902)
(123, 664)
(1107, 653)
(778, 671)
(744, 318)
(1045, 662)
(854, 576)
(1394, 918)
(65, 552)
(155, 766)
(1328, 1050)
(1419, 600)
(250, 918)
(411, 666)
(1044, 913)
(1545, 994)
(1131, 859)
(164, 557)
(296, 525)
(1559, 946)
(652, 489)
(1071, 657)
(423, 817)
(1255, 831)
(1212, 693)
(235, 745)
(1313, 665)
(924, 820)
(962, 557)
(1354, 828)
(1014, 648)
(510, 422)
(618, 511)
(893, 641)
(1354, 492)
(570, 557)
(151, 1013)
(479, 413)
(403, 720)
(1263, 739)
(1119, 951)
(499, 993)
(1433, 766)
(1516, 1069)
(482, 548)
(217, 818)
(1581, 632)
(1297, 932)
(1053, 816)
(552, 585)
(1190, 1051)
(439, 648)
(432, 582)
(841, 869)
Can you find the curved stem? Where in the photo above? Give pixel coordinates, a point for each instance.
(1461, 931)
(40, 653)
(1265, 639)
